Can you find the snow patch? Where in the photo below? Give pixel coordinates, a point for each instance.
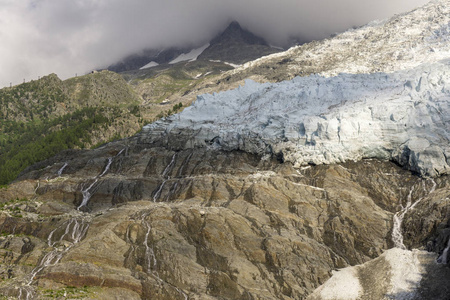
(233, 65)
(401, 282)
(227, 63)
(191, 56)
(344, 284)
(149, 65)
(405, 271)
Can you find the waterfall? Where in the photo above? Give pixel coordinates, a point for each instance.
(149, 252)
(158, 192)
(37, 187)
(62, 169)
(74, 231)
(443, 259)
(169, 166)
(87, 194)
(183, 165)
(166, 171)
(172, 190)
(397, 235)
(151, 260)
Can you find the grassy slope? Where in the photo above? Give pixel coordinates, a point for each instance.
(41, 118)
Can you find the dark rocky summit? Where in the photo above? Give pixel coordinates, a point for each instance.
(234, 45)
(237, 45)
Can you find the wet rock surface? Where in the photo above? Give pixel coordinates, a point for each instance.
(201, 223)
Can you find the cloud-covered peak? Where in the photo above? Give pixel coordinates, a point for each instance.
(73, 36)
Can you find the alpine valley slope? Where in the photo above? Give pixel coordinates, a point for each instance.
(262, 192)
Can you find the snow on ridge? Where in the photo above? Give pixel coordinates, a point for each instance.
(403, 116)
(401, 42)
(149, 65)
(191, 56)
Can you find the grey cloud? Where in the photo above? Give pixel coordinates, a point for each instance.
(38, 37)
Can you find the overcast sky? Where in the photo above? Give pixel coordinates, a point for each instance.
(38, 37)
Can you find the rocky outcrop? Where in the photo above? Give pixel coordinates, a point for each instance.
(236, 45)
(258, 193)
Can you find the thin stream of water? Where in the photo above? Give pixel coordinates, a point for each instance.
(151, 258)
(74, 228)
(60, 171)
(166, 171)
(397, 235)
(87, 193)
(443, 258)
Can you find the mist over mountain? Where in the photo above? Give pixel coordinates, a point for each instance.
(69, 37)
(233, 45)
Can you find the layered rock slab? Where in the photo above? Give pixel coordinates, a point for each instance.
(198, 223)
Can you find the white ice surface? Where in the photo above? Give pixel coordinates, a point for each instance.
(404, 41)
(403, 116)
(150, 65)
(191, 56)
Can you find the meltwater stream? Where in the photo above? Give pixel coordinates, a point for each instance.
(87, 192)
(397, 235)
(444, 259)
(60, 171)
(150, 262)
(165, 176)
(72, 232)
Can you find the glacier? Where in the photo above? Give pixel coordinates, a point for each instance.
(401, 42)
(402, 116)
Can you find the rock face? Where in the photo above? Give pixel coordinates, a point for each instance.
(234, 45)
(237, 45)
(195, 223)
(402, 116)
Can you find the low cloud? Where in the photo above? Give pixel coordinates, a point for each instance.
(39, 37)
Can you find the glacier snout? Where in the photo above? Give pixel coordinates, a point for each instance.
(403, 116)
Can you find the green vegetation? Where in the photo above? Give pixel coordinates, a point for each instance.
(23, 144)
(69, 292)
(172, 111)
(43, 117)
(32, 100)
(13, 206)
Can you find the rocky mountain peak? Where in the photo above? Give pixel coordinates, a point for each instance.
(236, 45)
(235, 33)
(233, 45)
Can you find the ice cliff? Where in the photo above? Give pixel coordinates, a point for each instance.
(402, 116)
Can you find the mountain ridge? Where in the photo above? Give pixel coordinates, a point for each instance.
(222, 47)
